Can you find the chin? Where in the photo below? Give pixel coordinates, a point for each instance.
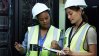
(72, 22)
(45, 27)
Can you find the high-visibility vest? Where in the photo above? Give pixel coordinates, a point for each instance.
(53, 34)
(78, 39)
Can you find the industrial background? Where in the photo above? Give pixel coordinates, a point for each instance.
(16, 16)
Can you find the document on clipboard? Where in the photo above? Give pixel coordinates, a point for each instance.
(53, 50)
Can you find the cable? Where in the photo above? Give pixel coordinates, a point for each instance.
(9, 32)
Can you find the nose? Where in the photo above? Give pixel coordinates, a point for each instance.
(45, 20)
(68, 16)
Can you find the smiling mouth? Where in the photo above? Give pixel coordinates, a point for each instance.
(71, 20)
(45, 24)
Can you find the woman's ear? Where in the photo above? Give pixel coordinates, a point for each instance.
(81, 12)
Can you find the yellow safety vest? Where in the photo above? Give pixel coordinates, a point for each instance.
(53, 34)
(78, 39)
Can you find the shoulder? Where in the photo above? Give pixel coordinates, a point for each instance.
(33, 26)
(68, 29)
(92, 29)
(55, 27)
(92, 35)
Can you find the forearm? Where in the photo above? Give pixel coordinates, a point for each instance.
(83, 54)
(92, 52)
(22, 50)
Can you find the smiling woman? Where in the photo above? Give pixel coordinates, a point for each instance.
(75, 12)
(81, 38)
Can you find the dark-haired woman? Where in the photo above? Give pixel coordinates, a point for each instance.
(81, 38)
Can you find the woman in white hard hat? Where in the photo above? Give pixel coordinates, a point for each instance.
(81, 38)
(42, 35)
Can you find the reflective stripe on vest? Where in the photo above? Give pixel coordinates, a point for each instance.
(66, 35)
(78, 39)
(32, 35)
(53, 34)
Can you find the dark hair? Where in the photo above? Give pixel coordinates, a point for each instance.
(76, 8)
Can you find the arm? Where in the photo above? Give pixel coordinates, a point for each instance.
(58, 45)
(25, 42)
(22, 48)
(91, 52)
(60, 42)
(19, 47)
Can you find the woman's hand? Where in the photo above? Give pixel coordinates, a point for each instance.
(67, 51)
(61, 53)
(55, 45)
(18, 46)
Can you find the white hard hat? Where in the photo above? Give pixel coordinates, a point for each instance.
(38, 8)
(70, 3)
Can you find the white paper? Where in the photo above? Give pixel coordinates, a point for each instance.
(54, 50)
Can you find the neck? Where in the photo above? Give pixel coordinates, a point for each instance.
(43, 31)
(44, 28)
(78, 23)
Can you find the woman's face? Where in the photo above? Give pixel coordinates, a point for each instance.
(44, 19)
(73, 16)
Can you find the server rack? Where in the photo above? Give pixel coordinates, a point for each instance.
(5, 44)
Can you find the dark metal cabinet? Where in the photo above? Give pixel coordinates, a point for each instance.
(5, 47)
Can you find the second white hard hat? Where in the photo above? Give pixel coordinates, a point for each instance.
(38, 8)
(70, 3)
